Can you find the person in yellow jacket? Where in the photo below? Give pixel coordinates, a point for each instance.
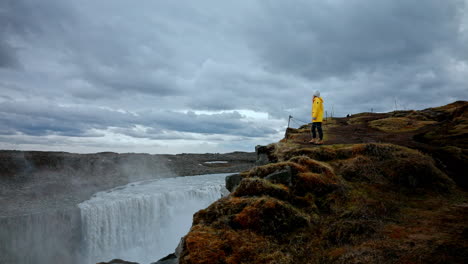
(317, 118)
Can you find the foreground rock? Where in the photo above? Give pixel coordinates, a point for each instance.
(344, 204)
(349, 202)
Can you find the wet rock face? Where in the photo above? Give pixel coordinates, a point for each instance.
(232, 181)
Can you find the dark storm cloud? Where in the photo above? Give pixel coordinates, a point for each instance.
(7, 55)
(38, 120)
(334, 38)
(224, 123)
(149, 69)
(29, 19)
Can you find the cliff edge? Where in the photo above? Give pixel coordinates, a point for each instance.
(387, 188)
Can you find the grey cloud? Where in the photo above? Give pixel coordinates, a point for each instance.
(44, 119)
(333, 38)
(224, 123)
(7, 55)
(71, 67)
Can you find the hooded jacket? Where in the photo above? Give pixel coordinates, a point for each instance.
(317, 109)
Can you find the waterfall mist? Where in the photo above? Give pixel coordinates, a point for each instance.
(41, 223)
(141, 221)
(144, 221)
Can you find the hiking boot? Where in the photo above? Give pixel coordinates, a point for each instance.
(313, 141)
(319, 142)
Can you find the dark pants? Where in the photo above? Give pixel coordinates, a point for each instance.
(317, 125)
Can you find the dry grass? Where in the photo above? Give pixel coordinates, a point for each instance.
(324, 153)
(347, 204)
(261, 187)
(271, 217)
(263, 171)
(399, 124)
(318, 184)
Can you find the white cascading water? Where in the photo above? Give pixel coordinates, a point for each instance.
(144, 221)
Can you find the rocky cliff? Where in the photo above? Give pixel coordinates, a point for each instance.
(387, 188)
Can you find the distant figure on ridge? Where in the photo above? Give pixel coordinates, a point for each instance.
(317, 118)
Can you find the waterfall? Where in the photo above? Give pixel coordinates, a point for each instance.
(144, 221)
(44, 237)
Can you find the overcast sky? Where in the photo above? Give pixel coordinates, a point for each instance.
(215, 76)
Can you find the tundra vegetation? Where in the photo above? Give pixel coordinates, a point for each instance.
(387, 188)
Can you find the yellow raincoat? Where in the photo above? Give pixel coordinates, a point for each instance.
(317, 109)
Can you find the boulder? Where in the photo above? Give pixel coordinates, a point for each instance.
(283, 176)
(232, 181)
(262, 155)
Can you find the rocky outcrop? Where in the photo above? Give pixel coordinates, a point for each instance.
(264, 155)
(232, 181)
(354, 201)
(326, 205)
(117, 261)
(283, 176)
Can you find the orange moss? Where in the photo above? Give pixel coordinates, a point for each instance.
(336, 252)
(260, 187)
(263, 171)
(219, 212)
(323, 153)
(270, 217)
(314, 165)
(318, 184)
(204, 246)
(363, 203)
(399, 124)
(395, 232)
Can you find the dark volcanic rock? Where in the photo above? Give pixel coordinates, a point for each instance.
(232, 181)
(262, 153)
(118, 261)
(169, 259)
(282, 176)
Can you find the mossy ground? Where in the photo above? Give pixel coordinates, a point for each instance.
(347, 203)
(399, 124)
